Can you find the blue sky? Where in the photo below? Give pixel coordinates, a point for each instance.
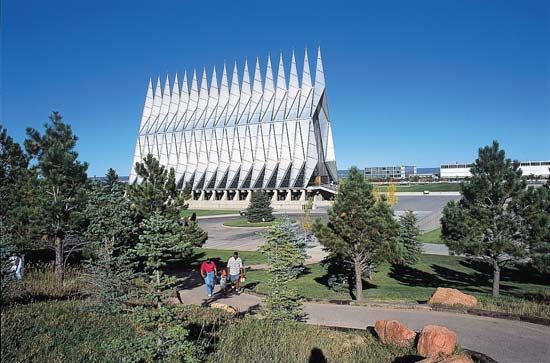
(409, 82)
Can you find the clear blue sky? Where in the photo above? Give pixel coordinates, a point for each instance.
(413, 82)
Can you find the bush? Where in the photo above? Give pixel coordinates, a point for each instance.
(253, 340)
(62, 331)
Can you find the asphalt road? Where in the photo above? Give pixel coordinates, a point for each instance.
(427, 209)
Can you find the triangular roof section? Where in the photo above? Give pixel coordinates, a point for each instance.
(147, 107)
(221, 112)
(280, 92)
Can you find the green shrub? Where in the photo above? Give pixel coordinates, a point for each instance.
(254, 340)
(62, 331)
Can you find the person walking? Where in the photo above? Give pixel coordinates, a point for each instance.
(236, 269)
(209, 273)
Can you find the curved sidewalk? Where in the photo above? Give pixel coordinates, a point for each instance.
(504, 340)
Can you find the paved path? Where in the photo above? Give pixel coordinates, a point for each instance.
(503, 340)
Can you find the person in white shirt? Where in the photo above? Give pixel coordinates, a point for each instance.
(236, 268)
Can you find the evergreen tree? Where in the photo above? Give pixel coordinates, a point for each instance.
(164, 339)
(534, 209)
(111, 229)
(155, 191)
(61, 191)
(360, 231)
(111, 177)
(7, 249)
(483, 223)
(17, 193)
(193, 233)
(409, 238)
(259, 209)
(284, 249)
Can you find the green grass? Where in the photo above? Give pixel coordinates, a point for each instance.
(433, 236)
(207, 212)
(432, 187)
(255, 340)
(245, 223)
(248, 257)
(417, 283)
(63, 331)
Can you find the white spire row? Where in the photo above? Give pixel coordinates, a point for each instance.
(242, 133)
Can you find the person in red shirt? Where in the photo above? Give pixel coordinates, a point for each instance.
(208, 273)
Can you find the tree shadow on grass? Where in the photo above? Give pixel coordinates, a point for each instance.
(410, 276)
(512, 272)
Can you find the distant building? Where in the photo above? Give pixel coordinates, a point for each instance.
(538, 169)
(389, 172)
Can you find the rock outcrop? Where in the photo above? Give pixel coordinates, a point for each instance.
(393, 331)
(447, 296)
(435, 341)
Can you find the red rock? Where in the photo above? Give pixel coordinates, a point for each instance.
(393, 331)
(455, 358)
(446, 296)
(435, 341)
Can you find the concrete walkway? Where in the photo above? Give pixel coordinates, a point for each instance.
(503, 340)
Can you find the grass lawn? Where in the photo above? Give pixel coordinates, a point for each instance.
(417, 283)
(244, 223)
(432, 236)
(432, 187)
(207, 212)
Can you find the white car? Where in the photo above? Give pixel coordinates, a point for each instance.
(426, 192)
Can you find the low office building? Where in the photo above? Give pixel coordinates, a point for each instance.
(536, 169)
(389, 172)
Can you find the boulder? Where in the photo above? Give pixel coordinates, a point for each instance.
(229, 309)
(393, 331)
(446, 296)
(435, 341)
(455, 358)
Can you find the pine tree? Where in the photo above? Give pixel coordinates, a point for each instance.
(111, 177)
(360, 232)
(409, 238)
(164, 339)
(61, 191)
(18, 186)
(483, 223)
(193, 233)
(7, 249)
(259, 209)
(155, 191)
(534, 209)
(111, 230)
(284, 249)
